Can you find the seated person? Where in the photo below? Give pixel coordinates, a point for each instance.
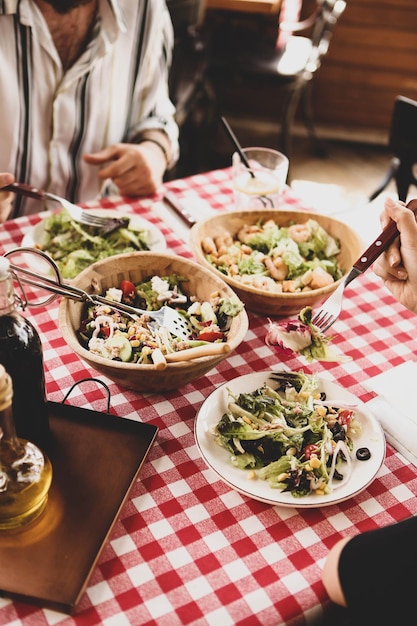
(373, 574)
(87, 104)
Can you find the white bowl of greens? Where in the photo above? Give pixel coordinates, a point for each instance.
(74, 246)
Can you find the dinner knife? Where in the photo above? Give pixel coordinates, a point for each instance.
(179, 209)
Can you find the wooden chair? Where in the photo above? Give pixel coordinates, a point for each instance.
(253, 53)
(403, 145)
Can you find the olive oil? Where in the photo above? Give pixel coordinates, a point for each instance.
(25, 471)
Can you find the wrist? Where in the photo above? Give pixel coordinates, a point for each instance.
(161, 141)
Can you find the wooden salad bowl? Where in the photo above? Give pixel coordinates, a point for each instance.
(258, 300)
(136, 267)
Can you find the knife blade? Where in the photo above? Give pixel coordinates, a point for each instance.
(179, 209)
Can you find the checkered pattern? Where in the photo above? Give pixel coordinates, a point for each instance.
(187, 549)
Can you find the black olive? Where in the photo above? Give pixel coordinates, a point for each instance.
(363, 454)
(337, 475)
(224, 321)
(339, 433)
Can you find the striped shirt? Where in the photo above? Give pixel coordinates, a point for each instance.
(116, 89)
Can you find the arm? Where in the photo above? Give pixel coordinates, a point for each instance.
(373, 574)
(330, 576)
(398, 265)
(6, 197)
(137, 165)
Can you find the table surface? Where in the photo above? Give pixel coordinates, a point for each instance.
(246, 6)
(186, 548)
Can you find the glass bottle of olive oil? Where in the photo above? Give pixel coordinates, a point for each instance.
(22, 356)
(25, 471)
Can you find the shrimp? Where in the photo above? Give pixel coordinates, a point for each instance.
(209, 247)
(224, 240)
(299, 232)
(225, 259)
(246, 250)
(222, 250)
(320, 278)
(247, 231)
(276, 267)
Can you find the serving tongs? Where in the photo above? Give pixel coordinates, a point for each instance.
(166, 316)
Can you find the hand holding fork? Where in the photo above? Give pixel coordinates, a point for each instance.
(105, 224)
(331, 308)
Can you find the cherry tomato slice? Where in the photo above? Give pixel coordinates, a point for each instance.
(308, 450)
(345, 417)
(128, 289)
(210, 335)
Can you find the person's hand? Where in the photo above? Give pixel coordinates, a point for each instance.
(6, 197)
(136, 169)
(398, 265)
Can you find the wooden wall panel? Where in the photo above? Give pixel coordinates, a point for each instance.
(372, 59)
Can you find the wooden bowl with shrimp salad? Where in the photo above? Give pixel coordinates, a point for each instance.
(224, 244)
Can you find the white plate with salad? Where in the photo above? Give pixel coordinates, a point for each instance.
(348, 478)
(74, 246)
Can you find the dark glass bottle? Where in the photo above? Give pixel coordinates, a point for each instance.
(22, 356)
(25, 471)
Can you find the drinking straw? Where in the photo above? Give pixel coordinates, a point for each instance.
(237, 145)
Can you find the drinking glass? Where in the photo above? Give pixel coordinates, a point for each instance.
(260, 186)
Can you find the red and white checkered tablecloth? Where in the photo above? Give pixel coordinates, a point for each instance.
(187, 549)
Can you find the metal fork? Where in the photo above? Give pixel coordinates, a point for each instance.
(331, 308)
(105, 224)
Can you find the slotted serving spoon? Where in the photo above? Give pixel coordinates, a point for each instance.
(105, 224)
(332, 307)
(166, 316)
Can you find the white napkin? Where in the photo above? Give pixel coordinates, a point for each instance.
(395, 407)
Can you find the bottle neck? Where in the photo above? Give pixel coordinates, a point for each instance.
(7, 295)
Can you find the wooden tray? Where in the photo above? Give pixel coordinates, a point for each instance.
(96, 459)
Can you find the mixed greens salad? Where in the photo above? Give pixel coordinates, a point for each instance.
(74, 246)
(289, 435)
(291, 259)
(137, 339)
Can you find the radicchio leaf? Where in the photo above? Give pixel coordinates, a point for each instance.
(300, 336)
